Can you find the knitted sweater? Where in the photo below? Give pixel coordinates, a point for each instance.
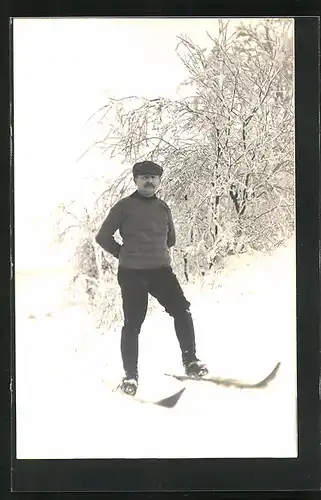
(147, 230)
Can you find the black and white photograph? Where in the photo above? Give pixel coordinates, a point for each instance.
(155, 238)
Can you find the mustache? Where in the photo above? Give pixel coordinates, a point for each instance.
(148, 184)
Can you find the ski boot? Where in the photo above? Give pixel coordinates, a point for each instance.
(195, 369)
(129, 386)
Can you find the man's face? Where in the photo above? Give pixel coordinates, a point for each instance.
(147, 184)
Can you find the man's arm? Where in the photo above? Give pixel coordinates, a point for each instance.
(105, 237)
(171, 236)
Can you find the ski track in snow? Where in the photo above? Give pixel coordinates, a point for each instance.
(244, 325)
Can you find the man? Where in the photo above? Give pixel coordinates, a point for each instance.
(146, 226)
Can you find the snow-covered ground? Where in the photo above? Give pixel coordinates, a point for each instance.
(244, 322)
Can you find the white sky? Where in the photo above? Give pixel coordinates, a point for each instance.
(63, 70)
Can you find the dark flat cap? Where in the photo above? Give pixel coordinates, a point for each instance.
(147, 167)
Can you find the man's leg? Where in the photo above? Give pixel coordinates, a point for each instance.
(134, 291)
(165, 287)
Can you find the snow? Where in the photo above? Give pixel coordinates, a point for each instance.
(244, 322)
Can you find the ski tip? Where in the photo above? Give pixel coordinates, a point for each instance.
(171, 401)
(270, 377)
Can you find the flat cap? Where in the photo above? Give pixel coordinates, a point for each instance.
(147, 167)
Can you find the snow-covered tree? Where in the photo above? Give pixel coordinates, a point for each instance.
(227, 146)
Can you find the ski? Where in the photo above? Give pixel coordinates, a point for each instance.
(168, 402)
(230, 382)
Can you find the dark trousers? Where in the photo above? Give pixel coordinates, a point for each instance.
(163, 285)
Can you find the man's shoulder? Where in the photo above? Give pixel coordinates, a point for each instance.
(126, 199)
(123, 202)
(163, 203)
